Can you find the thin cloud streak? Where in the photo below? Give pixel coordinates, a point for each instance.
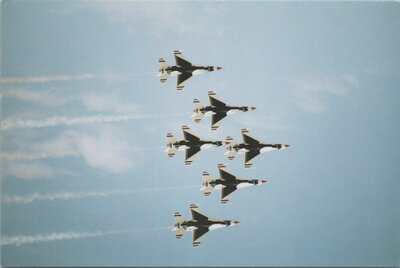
(19, 240)
(29, 156)
(27, 199)
(9, 124)
(33, 239)
(43, 79)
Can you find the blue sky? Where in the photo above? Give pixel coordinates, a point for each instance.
(85, 181)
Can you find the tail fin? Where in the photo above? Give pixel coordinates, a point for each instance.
(171, 150)
(207, 188)
(163, 74)
(177, 227)
(197, 114)
(230, 153)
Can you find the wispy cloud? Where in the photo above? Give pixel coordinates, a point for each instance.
(103, 148)
(48, 98)
(28, 171)
(108, 149)
(27, 199)
(107, 103)
(313, 94)
(165, 16)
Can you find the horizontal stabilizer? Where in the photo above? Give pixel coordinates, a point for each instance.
(171, 138)
(230, 153)
(197, 104)
(171, 151)
(178, 218)
(207, 188)
(163, 77)
(179, 233)
(206, 176)
(163, 74)
(197, 117)
(229, 140)
(163, 64)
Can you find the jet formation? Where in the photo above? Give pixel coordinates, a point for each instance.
(217, 109)
(184, 69)
(228, 183)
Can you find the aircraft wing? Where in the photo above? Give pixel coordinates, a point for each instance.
(214, 101)
(216, 119)
(190, 153)
(227, 193)
(188, 134)
(198, 235)
(182, 80)
(197, 214)
(180, 59)
(249, 158)
(247, 138)
(225, 175)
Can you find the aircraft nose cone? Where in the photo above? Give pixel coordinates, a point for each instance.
(252, 108)
(219, 68)
(263, 181)
(287, 145)
(235, 222)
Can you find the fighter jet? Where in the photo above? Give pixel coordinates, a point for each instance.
(227, 182)
(192, 144)
(200, 225)
(251, 147)
(183, 69)
(217, 109)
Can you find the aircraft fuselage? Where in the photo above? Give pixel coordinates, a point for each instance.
(225, 109)
(211, 224)
(260, 146)
(176, 69)
(235, 183)
(199, 143)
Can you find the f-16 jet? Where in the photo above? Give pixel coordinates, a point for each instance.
(192, 144)
(251, 147)
(200, 224)
(184, 69)
(217, 109)
(227, 182)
